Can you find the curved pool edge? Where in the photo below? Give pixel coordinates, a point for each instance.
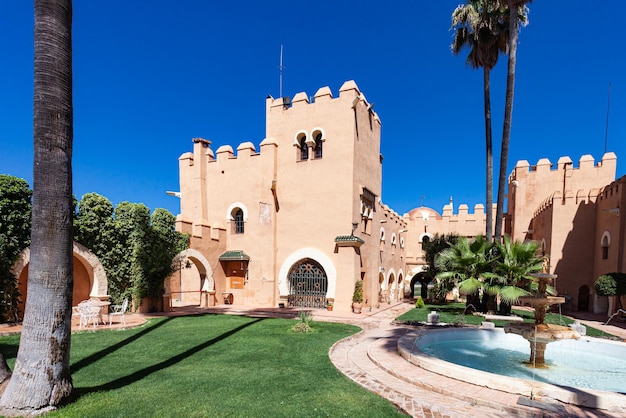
(409, 350)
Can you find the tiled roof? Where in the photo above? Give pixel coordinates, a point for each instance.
(236, 255)
(349, 238)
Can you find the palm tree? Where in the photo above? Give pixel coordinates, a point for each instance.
(511, 277)
(518, 12)
(482, 26)
(463, 264)
(41, 377)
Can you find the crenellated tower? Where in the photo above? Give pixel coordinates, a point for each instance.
(530, 185)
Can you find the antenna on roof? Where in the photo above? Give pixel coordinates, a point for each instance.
(606, 132)
(280, 74)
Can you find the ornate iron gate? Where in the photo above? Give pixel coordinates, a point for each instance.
(307, 285)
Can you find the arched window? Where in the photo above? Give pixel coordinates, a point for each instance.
(606, 242)
(238, 223)
(304, 149)
(318, 145)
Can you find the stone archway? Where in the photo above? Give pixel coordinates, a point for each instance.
(90, 280)
(308, 284)
(423, 280)
(193, 275)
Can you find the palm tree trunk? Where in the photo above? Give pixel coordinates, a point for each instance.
(489, 157)
(41, 378)
(508, 116)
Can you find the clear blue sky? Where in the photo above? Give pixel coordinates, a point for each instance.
(150, 76)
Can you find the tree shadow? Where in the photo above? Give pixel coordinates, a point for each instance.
(113, 348)
(141, 374)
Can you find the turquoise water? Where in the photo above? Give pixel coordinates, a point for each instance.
(584, 363)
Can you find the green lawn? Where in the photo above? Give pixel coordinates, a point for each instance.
(454, 313)
(212, 366)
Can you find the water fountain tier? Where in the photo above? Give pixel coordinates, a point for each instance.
(540, 334)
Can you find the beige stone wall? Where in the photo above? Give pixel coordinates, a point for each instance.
(294, 208)
(562, 209)
(529, 186)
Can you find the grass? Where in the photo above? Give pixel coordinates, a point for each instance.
(212, 365)
(454, 313)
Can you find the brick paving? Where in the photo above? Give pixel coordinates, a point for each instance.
(371, 359)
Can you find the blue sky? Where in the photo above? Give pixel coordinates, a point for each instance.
(150, 76)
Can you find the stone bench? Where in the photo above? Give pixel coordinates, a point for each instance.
(509, 318)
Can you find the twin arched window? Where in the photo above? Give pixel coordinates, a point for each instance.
(303, 142)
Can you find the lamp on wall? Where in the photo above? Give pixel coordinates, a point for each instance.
(354, 227)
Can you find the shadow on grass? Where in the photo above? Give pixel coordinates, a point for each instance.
(98, 355)
(141, 374)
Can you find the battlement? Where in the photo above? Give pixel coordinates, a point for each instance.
(245, 151)
(348, 91)
(613, 188)
(392, 216)
(586, 165)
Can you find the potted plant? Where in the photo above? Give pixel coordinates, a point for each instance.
(329, 305)
(357, 297)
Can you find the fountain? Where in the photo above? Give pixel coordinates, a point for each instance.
(583, 371)
(540, 334)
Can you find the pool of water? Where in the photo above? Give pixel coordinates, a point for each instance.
(584, 363)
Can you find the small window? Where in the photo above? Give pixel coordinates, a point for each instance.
(238, 221)
(318, 145)
(304, 149)
(606, 242)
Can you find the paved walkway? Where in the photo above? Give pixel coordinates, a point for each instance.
(371, 359)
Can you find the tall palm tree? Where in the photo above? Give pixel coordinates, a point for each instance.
(41, 378)
(482, 26)
(518, 12)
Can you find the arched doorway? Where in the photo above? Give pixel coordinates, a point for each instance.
(308, 284)
(423, 281)
(583, 298)
(392, 287)
(90, 280)
(193, 273)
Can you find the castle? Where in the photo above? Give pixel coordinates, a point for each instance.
(300, 220)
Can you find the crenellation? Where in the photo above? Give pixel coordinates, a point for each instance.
(392, 215)
(586, 162)
(225, 150)
(246, 149)
(323, 93)
(299, 99)
(563, 163)
(187, 156)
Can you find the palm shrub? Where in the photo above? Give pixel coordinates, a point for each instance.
(513, 266)
(463, 264)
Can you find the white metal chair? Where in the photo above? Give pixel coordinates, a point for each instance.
(118, 310)
(88, 313)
